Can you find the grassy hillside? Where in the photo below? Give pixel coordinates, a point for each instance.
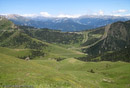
(49, 52)
(15, 52)
(57, 44)
(93, 36)
(122, 55)
(21, 40)
(58, 51)
(53, 36)
(37, 43)
(115, 38)
(68, 73)
(24, 43)
(6, 24)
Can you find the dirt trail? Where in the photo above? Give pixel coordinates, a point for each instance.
(85, 37)
(103, 37)
(106, 31)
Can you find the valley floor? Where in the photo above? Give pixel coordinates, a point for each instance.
(68, 73)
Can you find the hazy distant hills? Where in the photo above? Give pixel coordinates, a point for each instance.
(66, 24)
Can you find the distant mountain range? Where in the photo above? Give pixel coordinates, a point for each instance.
(66, 24)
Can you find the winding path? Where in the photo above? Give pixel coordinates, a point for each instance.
(103, 37)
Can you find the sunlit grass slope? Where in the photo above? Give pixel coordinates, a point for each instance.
(68, 73)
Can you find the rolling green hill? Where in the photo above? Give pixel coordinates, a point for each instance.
(6, 24)
(38, 42)
(54, 36)
(21, 40)
(68, 73)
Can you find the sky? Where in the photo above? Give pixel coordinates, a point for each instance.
(65, 8)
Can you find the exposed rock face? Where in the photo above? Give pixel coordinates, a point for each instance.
(27, 58)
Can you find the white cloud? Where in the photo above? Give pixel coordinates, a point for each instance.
(68, 16)
(45, 14)
(120, 11)
(116, 15)
(101, 12)
(4, 14)
(127, 15)
(29, 15)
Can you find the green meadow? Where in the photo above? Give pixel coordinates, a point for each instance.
(67, 73)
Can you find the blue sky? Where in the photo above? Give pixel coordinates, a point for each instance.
(65, 7)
